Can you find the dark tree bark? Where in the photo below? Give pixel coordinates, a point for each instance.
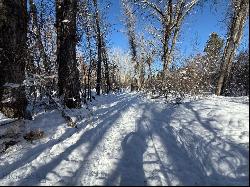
(106, 64)
(13, 36)
(89, 97)
(99, 50)
(68, 74)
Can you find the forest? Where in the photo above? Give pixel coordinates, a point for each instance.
(77, 108)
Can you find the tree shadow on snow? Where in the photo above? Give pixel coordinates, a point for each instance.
(193, 159)
(92, 136)
(33, 153)
(129, 171)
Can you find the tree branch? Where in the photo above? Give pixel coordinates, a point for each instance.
(153, 6)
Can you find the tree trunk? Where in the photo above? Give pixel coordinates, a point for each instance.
(106, 65)
(68, 75)
(99, 50)
(90, 63)
(234, 36)
(13, 36)
(130, 24)
(38, 36)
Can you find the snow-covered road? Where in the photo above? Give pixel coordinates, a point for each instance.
(128, 139)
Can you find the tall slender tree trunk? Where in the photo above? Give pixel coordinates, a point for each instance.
(99, 50)
(38, 36)
(90, 63)
(166, 36)
(68, 74)
(130, 24)
(234, 35)
(13, 36)
(106, 65)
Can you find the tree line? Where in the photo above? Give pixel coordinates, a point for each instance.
(57, 51)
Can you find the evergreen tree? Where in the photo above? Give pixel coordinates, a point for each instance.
(213, 50)
(214, 47)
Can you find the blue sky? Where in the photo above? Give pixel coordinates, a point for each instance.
(196, 29)
(118, 38)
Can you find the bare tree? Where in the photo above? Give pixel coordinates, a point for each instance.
(85, 25)
(68, 75)
(41, 71)
(239, 75)
(90, 55)
(170, 14)
(240, 9)
(13, 36)
(106, 64)
(102, 55)
(147, 53)
(38, 35)
(99, 49)
(130, 24)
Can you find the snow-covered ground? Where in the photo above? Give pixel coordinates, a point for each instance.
(129, 139)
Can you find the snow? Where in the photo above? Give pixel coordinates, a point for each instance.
(65, 21)
(183, 72)
(12, 85)
(128, 139)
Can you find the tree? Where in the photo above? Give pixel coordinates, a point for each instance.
(170, 14)
(146, 52)
(130, 23)
(213, 50)
(214, 46)
(85, 25)
(240, 11)
(36, 28)
(99, 49)
(13, 37)
(106, 65)
(102, 55)
(68, 75)
(41, 70)
(239, 75)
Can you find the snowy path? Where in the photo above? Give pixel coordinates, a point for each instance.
(131, 140)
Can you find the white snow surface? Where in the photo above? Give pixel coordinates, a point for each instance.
(129, 139)
(12, 85)
(66, 21)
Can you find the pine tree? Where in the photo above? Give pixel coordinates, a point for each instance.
(214, 46)
(213, 50)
